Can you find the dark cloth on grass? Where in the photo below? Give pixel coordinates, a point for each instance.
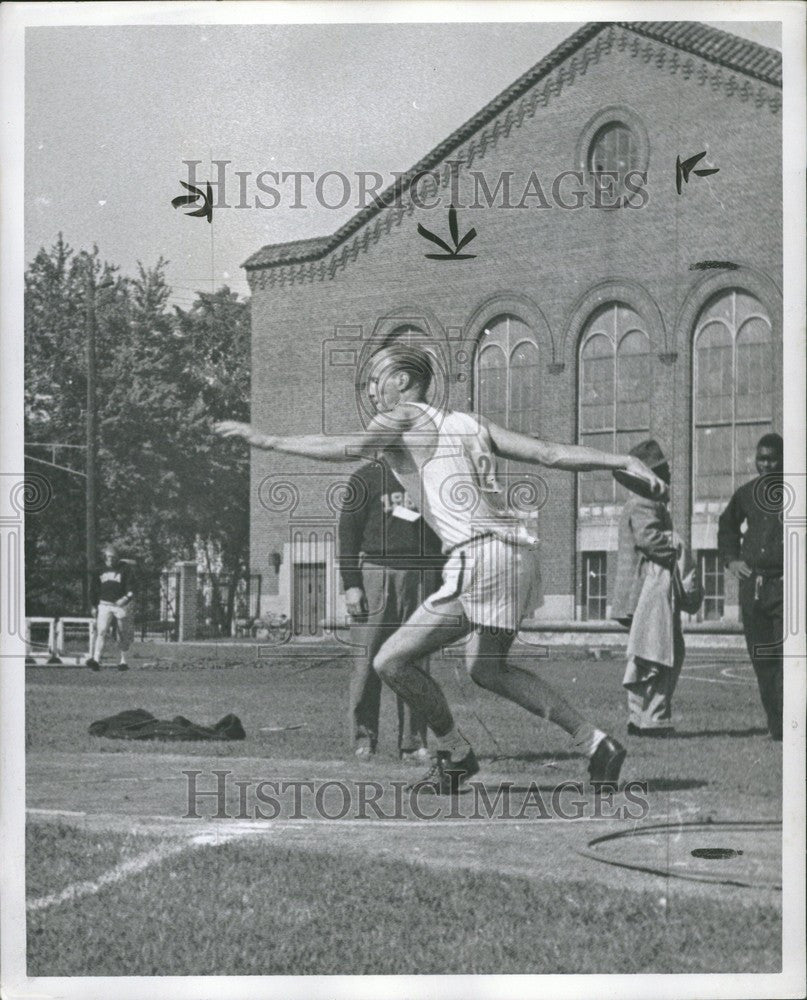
(137, 724)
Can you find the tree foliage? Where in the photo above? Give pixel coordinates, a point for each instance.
(167, 489)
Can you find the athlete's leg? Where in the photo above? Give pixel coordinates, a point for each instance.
(101, 625)
(123, 617)
(486, 663)
(368, 634)
(412, 724)
(423, 633)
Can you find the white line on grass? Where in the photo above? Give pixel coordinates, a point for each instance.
(55, 812)
(134, 866)
(714, 680)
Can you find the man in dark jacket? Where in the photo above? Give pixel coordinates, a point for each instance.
(389, 561)
(756, 559)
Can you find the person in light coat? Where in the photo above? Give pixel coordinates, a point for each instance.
(651, 593)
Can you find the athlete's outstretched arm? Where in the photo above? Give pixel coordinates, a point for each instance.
(577, 458)
(383, 431)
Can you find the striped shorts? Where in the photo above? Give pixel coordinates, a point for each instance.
(496, 582)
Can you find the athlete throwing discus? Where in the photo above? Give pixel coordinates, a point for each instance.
(446, 461)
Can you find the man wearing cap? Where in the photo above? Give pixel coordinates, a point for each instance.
(756, 559)
(650, 595)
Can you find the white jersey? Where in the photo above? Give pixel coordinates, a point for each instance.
(446, 461)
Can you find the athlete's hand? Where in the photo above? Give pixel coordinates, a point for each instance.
(739, 569)
(637, 468)
(234, 428)
(356, 602)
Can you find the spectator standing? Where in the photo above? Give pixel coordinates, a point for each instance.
(756, 558)
(112, 597)
(650, 595)
(389, 561)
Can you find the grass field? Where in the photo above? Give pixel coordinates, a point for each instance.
(119, 884)
(273, 911)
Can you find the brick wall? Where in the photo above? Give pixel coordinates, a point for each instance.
(551, 267)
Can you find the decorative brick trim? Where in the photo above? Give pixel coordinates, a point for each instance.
(482, 133)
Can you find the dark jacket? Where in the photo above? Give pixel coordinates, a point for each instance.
(370, 527)
(111, 583)
(758, 505)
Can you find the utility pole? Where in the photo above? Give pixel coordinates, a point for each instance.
(92, 436)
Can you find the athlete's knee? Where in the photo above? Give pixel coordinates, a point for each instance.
(387, 664)
(483, 672)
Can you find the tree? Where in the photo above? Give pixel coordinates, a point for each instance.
(55, 404)
(165, 490)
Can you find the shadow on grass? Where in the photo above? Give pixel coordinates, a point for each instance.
(653, 785)
(530, 757)
(706, 733)
(673, 784)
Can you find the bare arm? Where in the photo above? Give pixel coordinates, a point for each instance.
(576, 458)
(384, 430)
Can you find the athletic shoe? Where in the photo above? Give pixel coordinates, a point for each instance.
(93, 664)
(415, 756)
(445, 775)
(365, 747)
(659, 732)
(606, 761)
(123, 666)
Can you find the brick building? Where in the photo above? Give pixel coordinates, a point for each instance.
(574, 320)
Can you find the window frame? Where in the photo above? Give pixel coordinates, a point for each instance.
(718, 575)
(601, 576)
(702, 320)
(614, 114)
(616, 337)
(508, 350)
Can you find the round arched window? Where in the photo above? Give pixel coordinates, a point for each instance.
(612, 145)
(614, 148)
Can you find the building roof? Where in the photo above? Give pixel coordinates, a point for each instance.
(715, 46)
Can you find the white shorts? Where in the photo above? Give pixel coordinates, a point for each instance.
(106, 612)
(497, 583)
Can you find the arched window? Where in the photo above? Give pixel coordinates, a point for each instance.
(508, 374)
(612, 144)
(615, 392)
(508, 386)
(613, 147)
(733, 379)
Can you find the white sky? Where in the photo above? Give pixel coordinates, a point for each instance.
(112, 112)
